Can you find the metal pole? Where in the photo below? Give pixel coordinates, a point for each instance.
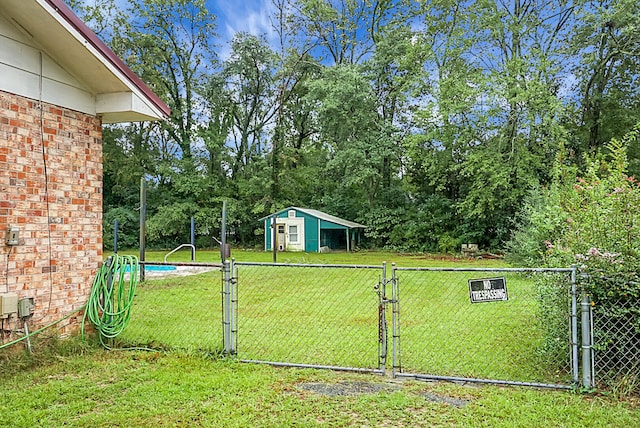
(223, 232)
(234, 307)
(574, 328)
(382, 321)
(226, 310)
(26, 334)
(115, 236)
(395, 327)
(143, 215)
(585, 324)
(193, 239)
(273, 239)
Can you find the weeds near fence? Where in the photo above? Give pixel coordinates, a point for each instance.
(46, 349)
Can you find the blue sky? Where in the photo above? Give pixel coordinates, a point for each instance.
(232, 16)
(251, 16)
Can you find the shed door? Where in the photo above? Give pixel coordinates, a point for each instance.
(281, 241)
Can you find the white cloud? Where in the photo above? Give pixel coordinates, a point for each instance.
(252, 16)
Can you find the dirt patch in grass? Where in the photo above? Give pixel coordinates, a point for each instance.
(361, 388)
(437, 398)
(347, 388)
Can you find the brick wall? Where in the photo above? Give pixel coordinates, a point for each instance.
(51, 188)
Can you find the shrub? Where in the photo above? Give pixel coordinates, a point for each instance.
(592, 221)
(128, 227)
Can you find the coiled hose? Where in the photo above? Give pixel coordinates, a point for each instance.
(111, 298)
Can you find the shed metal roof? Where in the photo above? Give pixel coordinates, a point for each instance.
(322, 216)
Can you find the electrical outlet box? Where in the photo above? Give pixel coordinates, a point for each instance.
(25, 307)
(13, 235)
(8, 304)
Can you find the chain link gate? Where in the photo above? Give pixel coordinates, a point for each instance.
(304, 315)
(526, 334)
(334, 317)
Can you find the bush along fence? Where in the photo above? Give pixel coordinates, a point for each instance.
(505, 326)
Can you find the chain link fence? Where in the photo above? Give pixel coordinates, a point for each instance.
(522, 331)
(176, 309)
(308, 315)
(616, 344)
(348, 317)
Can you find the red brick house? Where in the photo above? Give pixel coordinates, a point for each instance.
(58, 84)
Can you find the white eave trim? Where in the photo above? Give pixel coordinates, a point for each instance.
(124, 107)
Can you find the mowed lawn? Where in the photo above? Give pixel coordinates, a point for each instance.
(357, 257)
(100, 388)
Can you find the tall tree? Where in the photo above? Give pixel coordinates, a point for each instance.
(344, 30)
(249, 75)
(169, 43)
(606, 43)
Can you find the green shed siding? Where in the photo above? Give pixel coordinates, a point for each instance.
(329, 225)
(311, 238)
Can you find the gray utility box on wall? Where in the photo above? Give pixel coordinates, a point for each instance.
(8, 304)
(25, 307)
(13, 236)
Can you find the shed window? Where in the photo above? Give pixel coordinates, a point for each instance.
(292, 213)
(293, 234)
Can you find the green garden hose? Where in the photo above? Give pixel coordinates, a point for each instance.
(111, 298)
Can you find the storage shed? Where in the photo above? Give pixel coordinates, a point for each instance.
(304, 229)
(59, 84)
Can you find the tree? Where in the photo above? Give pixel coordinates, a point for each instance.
(169, 44)
(346, 30)
(249, 79)
(606, 43)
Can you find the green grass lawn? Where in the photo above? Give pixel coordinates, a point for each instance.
(148, 389)
(443, 333)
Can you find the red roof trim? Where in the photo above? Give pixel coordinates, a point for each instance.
(108, 54)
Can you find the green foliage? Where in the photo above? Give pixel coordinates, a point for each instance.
(170, 225)
(128, 227)
(381, 222)
(428, 226)
(593, 222)
(448, 244)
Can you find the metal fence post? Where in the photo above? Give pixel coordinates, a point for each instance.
(395, 328)
(587, 355)
(574, 328)
(382, 321)
(226, 307)
(234, 306)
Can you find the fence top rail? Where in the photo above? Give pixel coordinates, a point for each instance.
(192, 264)
(309, 265)
(487, 269)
